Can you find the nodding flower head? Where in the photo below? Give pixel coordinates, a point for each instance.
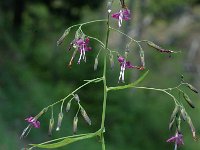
(125, 65)
(177, 139)
(82, 45)
(35, 123)
(123, 14)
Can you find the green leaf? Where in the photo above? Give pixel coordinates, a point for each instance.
(66, 141)
(131, 84)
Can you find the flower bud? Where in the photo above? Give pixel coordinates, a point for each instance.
(112, 62)
(159, 48)
(142, 58)
(60, 117)
(95, 63)
(68, 106)
(187, 99)
(76, 97)
(183, 114)
(63, 36)
(109, 5)
(51, 125)
(75, 123)
(85, 116)
(191, 88)
(174, 113)
(172, 123)
(191, 127)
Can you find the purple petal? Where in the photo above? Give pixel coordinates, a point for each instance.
(36, 124)
(116, 15)
(129, 65)
(87, 40)
(79, 42)
(88, 48)
(125, 13)
(172, 139)
(120, 59)
(30, 119)
(33, 122)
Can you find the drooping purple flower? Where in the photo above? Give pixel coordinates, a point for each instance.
(125, 65)
(34, 122)
(83, 47)
(177, 139)
(123, 14)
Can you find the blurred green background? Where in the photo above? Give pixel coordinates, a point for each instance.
(34, 72)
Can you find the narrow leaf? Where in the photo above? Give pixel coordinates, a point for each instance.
(66, 141)
(131, 84)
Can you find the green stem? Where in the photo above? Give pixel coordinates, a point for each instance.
(146, 88)
(105, 86)
(81, 24)
(72, 93)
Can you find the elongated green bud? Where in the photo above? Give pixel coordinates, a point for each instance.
(95, 63)
(191, 87)
(76, 97)
(159, 48)
(172, 123)
(63, 36)
(75, 124)
(142, 58)
(112, 62)
(85, 116)
(68, 106)
(51, 125)
(187, 99)
(189, 121)
(174, 113)
(60, 118)
(183, 114)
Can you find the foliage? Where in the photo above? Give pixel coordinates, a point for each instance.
(33, 73)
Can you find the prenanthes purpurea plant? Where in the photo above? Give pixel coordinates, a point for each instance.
(81, 46)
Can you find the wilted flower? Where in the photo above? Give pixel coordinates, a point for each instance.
(122, 15)
(34, 122)
(177, 139)
(82, 45)
(125, 65)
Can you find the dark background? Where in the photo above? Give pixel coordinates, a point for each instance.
(34, 72)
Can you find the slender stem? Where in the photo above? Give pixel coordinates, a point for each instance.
(72, 93)
(123, 34)
(105, 87)
(81, 24)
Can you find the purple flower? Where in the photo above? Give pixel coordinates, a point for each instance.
(177, 139)
(125, 65)
(33, 122)
(122, 15)
(82, 45)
